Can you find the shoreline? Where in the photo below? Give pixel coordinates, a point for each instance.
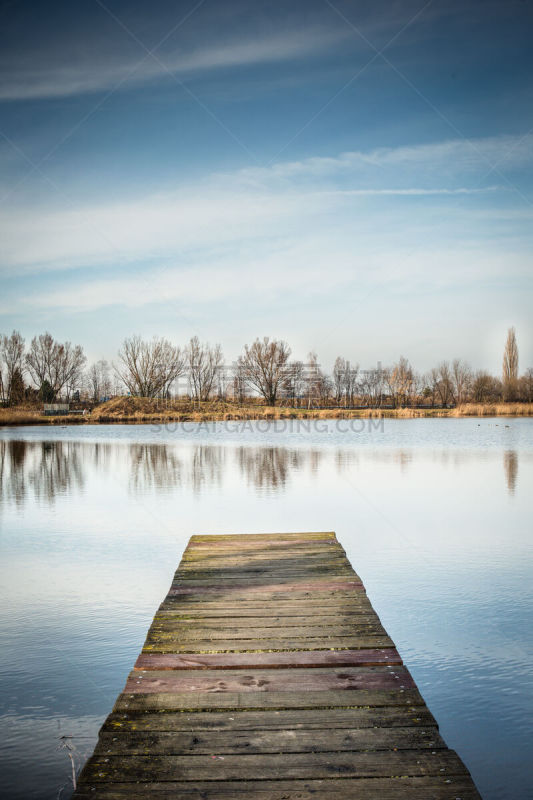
(134, 416)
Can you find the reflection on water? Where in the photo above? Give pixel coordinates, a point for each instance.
(269, 467)
(93, 522)
(510, 466)
(153, 466)
(42, 470)
(206, 467)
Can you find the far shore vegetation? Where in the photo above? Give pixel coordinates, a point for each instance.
(158, 381)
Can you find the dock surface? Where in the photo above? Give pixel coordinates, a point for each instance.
(267, 674)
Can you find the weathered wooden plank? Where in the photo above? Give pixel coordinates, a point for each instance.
(282, 558)
(300, 615)
(265, 720)
(165, 622)
(352, 642)
(238, 610)
(261, 586)
(251, 575)
(249, 569)
(317, 658)
(247, 542)
(278, 741)
(195, 599)
(274, 550)
(266, 591)
(242, 539)
(262, 766)
(267, 544)
(393, 788)
(307, 606)
(302, 607)
(308, 563)
(236, 633)
(177, 701)
(269, 680)
(280, 561)
(184, 631)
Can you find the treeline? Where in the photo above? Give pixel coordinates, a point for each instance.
(47, 370)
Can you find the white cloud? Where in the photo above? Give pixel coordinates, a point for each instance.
(447, 159)
(310, 268)
(179, 224)
(249, 235)
(261, 205)
(32, 78)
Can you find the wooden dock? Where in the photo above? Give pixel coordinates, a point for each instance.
(267, 674)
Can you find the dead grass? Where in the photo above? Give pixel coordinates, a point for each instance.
(137, 410)
(493, 410)
(32, 415)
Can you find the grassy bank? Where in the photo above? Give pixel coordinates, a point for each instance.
(138, 410)
(31, 415)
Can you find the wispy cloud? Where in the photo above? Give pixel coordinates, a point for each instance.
(316, 269)
(179, 224)
(314, 233)
(226, 210)
(452, 157)
(48, 75)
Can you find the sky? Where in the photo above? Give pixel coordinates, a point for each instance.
(352, 177)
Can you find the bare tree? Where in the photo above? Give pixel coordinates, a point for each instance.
(172, 361)
(462, 380)
(149, 368)
(239, 384)
(40, 358)
(400, 381)
(11, 366)
(99, 380)
(204, 364)
(444, 384)
(265, 367)
(371, 386)
(416, 388)
(486, 388)
(224, 381)
(526, 386)
(294, 383)
(339, 379)
(319, 385)
(54, 364)
(344, 381)
(71, 362)
(350, 382)
(510, 366)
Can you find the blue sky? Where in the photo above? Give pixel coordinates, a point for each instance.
(353, 177)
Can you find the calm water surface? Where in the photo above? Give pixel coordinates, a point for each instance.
(435, 516)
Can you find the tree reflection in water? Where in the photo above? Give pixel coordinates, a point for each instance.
(510, 466)
(42, 470)
(206, 466)
(269, 467)
(154, 466)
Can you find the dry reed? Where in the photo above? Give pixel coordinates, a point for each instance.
(138, 410)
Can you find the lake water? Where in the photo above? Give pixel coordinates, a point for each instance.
(435, 515)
